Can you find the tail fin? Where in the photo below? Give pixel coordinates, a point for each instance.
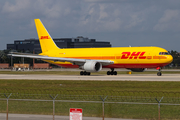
(45, 39)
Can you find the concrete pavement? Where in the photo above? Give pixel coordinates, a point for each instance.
(48, 117)
(121, 77)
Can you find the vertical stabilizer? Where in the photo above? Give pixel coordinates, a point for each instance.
(45, 39)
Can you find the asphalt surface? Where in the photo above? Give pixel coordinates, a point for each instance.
(123, 77)
(48, 117)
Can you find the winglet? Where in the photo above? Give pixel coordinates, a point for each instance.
(45, 39)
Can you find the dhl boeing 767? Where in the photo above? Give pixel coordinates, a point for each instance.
(94, 59)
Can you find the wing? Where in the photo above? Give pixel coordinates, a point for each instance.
(60, 59)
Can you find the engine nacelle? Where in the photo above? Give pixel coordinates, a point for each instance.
(92, 66)
(137, 69)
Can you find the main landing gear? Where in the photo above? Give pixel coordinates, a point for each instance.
(159, 72)
(112, 72)
(85, 73)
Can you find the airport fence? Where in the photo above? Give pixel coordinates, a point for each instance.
(121, 104)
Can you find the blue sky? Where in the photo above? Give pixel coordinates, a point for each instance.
(121, 22)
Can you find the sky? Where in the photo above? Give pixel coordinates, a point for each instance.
(121, 22)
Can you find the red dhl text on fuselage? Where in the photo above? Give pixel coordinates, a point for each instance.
(125, 55)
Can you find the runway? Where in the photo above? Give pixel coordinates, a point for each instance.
(123, 77)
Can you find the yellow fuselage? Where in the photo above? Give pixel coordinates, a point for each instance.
(123, 57)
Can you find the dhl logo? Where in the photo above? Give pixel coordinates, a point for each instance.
(133, 55)
(124, 55)
(44, 37)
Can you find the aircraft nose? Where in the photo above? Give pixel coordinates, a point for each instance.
(170, 58)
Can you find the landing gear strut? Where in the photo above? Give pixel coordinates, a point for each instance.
(112, 72)
(85, 73)
(159, 72)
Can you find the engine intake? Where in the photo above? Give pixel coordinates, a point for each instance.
(92, 66)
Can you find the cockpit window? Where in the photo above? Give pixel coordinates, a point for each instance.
(164, 53)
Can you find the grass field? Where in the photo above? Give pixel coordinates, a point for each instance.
(128, 89)
(90, 85)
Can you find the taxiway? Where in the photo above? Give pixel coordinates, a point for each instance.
(123, 77)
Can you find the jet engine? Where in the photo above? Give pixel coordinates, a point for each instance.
(137, 69)
(92, 66)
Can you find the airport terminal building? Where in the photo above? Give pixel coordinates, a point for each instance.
(79, 42)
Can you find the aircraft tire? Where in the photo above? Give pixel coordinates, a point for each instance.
(81, 73)
(159, 74)
(115, 72)
(108, 72)
(88, 73)
(85, 73)
(111, 72)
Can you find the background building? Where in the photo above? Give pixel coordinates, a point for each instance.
(79, 42)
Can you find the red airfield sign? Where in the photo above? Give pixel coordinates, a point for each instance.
(75, 114)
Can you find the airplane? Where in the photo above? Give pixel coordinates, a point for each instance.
(136, 59)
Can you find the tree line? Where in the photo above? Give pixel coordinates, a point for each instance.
(4, 58)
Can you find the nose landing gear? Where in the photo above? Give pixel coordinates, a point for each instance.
(159, 72)
(112, 72)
